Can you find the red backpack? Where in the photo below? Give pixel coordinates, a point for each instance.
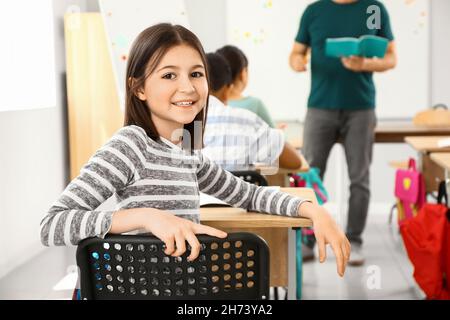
(427, 242)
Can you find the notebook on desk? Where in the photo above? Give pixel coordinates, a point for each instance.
(207, 201)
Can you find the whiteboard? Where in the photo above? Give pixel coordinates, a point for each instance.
(405, 90)
(265, 31)
(124, 20)
(27, 58)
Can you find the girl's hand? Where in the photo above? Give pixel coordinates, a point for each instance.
(175, 231)
(326, 232)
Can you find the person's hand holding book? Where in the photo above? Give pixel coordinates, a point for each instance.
(355, 63)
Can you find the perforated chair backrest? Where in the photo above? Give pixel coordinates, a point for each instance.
(251, 177)
(136, 267)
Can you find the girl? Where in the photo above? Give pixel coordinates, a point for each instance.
(156, 169)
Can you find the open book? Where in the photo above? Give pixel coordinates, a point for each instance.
(366, 46)
(210, 201)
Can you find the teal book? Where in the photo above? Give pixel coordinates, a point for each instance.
(365, 46)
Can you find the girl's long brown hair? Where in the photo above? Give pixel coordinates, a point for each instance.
(145, 54)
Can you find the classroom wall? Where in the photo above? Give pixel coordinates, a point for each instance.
(208, 13)
(440, 52)
(33, 161)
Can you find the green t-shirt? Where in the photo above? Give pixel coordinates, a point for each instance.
(254, 105)
(332, 85)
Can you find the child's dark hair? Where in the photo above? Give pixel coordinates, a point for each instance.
(219, 71)
(146, 52)
(236, 59)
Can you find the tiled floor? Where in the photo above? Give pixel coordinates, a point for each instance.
(387, 273)
(383, 247)
(36, 279)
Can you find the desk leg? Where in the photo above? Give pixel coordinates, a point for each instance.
(420, 161)
(292, 269)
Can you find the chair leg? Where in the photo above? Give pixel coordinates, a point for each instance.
(391, 213)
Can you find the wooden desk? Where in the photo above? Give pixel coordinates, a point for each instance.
(393, 132)
(427, 144)
(280, 176)
(276, 230)
(443, 160)
(431, 171)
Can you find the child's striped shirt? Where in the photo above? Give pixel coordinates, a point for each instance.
(143, 173)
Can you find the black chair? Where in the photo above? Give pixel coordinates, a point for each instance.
(256, 178)
(251, 177)
(135, 267)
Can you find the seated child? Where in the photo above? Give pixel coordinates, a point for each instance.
(237, 138)
(238, 63)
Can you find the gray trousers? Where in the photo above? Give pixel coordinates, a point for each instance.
(356, 130)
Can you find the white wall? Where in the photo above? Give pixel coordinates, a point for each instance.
(33, 161)
(208, 22)
(440, 52)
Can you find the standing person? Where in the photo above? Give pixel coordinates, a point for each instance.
(154, 165)
(341, 103)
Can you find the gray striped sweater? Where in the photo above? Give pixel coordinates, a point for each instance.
(143, 173)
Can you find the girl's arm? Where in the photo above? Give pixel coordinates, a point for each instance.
(219, 183)
(326, 232)
(73, 216)
(215, 181)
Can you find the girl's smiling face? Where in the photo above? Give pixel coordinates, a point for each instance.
(177, 90)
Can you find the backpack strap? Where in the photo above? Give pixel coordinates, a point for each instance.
(412, 164)
(442, 193)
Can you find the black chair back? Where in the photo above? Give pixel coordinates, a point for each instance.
(251, 177)
(136, 267)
